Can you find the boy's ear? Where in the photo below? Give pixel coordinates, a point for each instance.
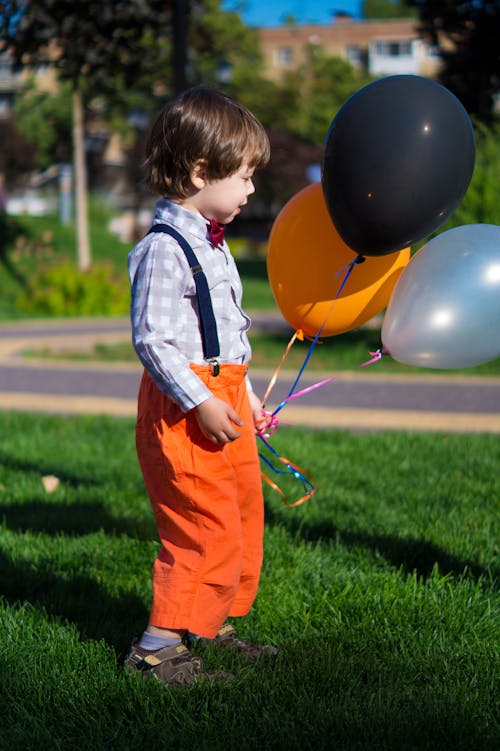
(198, 174)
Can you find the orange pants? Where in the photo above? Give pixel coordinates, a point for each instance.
(208, 504)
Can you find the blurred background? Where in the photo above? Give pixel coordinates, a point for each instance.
(81, 80)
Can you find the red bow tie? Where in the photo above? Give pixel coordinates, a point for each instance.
(216, 232)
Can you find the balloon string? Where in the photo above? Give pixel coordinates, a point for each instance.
(276, 373)
(308, 483)
(276, 487)
(375, 357)
(348, 269)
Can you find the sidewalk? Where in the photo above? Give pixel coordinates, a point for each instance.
(356, 400)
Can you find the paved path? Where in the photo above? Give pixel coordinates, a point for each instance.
(357, 399)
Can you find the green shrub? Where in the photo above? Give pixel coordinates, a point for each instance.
(480, 204)
(247, 248)
(64, 290)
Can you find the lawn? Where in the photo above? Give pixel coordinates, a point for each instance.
(379, 592)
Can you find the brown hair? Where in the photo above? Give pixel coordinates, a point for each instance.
(202, 125)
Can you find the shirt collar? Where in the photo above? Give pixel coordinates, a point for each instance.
(182, 219)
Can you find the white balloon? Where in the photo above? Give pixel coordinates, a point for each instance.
(445, 308)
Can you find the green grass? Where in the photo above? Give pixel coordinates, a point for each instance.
(379, 592)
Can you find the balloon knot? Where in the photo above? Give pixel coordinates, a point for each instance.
(359, 259)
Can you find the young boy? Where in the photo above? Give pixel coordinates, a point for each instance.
(197, 414)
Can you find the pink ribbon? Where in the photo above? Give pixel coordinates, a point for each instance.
(274, 422)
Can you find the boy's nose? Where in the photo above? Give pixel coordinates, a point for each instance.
(251, 188)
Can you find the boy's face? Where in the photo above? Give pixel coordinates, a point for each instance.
(221, 199)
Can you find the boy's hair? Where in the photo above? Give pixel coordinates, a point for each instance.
(202, 125)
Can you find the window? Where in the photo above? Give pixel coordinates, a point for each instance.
(356, 55)
(5, 65)
(285, 56)
(394, 49)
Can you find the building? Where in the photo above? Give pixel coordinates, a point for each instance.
(378, 47)
(389, 47)
(10, 80)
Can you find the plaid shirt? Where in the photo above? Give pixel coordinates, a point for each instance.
(164, 308)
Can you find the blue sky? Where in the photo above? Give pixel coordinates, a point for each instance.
(271, 12)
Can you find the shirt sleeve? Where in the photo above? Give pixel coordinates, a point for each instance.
(158, 284)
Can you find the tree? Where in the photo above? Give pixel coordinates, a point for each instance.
(129, 53)
(327, 82)
(480, 204)
(220, 46)
(215, 48)
(92, 43)
(467, 33)
(297, 114)
(307, 100)
(386, 9)
(44, 119)
(285, 174)
(17, 153)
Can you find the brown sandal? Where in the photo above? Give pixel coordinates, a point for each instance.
(174, 665)
(226, 638)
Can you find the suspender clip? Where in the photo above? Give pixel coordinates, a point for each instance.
(214, 367)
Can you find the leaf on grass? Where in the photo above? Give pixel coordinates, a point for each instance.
(50, 483)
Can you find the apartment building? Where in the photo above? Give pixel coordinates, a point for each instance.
(380, 47)
(10, 80)
(389, 47)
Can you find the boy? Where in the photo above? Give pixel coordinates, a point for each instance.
(197, 414)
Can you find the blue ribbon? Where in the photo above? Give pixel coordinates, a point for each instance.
(349, 269)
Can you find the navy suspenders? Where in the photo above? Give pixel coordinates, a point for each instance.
(208, 325)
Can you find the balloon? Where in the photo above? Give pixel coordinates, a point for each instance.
(399, 157)
(445, 309)
(306, 263)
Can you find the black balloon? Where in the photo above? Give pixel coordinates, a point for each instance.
(398, 159)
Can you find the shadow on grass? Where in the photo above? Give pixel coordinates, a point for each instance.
(73, 479)
(78, 599)
(411, 554)
(73, 520)
(373, 696)
(69, 517)
(87, 476)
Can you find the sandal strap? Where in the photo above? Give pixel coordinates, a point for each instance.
(174, 664)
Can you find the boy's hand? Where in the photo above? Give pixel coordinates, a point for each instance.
(260, 418)
(217, 419)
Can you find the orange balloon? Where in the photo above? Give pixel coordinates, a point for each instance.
(306, 262)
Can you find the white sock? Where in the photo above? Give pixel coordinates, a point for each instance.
(151, 642)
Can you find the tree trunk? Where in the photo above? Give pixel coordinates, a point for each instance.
(82, 225)
(179, 50)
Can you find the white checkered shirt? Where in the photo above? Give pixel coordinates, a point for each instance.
(164, 308)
